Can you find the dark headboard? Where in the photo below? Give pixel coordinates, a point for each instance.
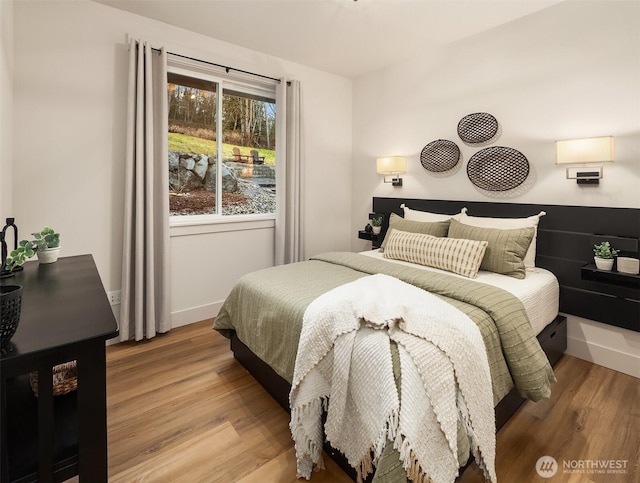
(566, 235)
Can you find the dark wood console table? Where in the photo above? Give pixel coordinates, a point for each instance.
(65, 316)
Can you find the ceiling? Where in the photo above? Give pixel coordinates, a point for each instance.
(345, 37)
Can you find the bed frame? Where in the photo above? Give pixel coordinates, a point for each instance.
(553, 340)
(565, 237)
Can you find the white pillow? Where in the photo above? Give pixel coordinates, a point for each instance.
(508, 224)
(417, 215)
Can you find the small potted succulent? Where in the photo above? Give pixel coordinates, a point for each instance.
(604, 254)
(376, 224)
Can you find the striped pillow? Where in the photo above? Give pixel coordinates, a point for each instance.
(454, 255)
(508, 224)
(506, 249)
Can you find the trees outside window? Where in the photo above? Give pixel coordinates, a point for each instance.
(209, 119)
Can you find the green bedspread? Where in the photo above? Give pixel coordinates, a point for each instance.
(265, 308)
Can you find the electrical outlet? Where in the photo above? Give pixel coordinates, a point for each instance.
(114, 297)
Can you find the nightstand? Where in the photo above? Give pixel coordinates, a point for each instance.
(610, 277)
(376, 240)
(622, 306)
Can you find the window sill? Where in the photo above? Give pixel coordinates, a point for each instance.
(198, 225)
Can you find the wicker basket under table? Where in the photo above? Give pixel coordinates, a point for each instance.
(65, 379)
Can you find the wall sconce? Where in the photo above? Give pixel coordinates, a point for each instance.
(392, 166)
(583, 151)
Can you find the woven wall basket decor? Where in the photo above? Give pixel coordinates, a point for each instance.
(498, 168)
(440, 155)
(477, 128)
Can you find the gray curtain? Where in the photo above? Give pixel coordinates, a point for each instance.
(289, 231)
(145, 308)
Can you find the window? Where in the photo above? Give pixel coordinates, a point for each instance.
(210, 118)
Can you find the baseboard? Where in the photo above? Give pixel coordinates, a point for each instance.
(181, 317)
(616, 348)
(195, 314)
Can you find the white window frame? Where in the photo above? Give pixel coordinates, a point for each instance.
(198, 224)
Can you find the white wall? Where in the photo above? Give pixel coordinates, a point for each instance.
(572, 70)
(69, 137)
(602, 344)
(6, 109)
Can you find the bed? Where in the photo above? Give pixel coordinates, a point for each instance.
(263, 316)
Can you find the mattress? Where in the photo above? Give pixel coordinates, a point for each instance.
(539, 291)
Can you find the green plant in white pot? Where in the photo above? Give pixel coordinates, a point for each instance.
(376, 224)
(603, 255)
(47, 243)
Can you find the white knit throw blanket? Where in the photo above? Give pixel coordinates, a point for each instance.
(344, 365)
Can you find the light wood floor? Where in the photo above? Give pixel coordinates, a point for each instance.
(181, 409)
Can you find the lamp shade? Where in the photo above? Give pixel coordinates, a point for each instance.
(391, 165)
(589, 150)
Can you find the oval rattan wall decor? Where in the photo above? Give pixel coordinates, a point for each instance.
(440, 155)
(498, 168)
(477, 128)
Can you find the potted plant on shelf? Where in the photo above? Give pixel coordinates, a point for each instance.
(376, 224)
(604, 255)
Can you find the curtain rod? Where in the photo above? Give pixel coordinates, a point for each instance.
(225, 67)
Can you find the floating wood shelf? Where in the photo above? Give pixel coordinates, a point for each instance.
(594, 274)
